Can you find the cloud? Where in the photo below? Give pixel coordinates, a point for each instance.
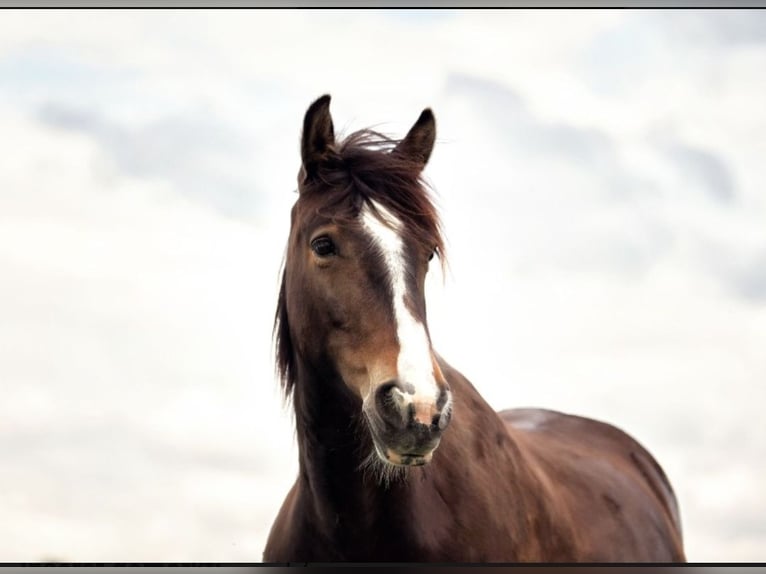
(194, 153)
(598, 210)
(619, 204)
(704, 170)
(506, 111)
(136, 359)
(725, 28)
(752, 280)
(743, 274)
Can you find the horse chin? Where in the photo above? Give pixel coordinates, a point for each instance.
(391, 457)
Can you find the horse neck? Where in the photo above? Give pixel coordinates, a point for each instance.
(334, 445)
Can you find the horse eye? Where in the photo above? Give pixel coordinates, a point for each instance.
(432, 255)
(323, 246)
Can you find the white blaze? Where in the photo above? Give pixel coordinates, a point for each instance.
(414, 364)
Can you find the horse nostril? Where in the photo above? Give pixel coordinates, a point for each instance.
(389, 393)
(387, 403)
(385, 389)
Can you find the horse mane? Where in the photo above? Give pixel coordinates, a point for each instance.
(364, 168)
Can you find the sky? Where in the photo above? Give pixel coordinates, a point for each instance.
(600, 175)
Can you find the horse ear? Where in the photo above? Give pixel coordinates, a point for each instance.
(318, 135)
(419, 141)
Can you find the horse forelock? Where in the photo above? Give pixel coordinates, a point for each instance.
(362, 169)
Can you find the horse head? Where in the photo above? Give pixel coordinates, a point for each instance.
(352, 304)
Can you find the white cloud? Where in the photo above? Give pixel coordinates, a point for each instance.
(136, 364)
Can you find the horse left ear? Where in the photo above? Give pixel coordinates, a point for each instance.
(318, 136)
(419, 141)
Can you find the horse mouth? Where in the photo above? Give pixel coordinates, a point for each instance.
(408, 459)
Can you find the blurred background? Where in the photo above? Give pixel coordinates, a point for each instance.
(601, 179)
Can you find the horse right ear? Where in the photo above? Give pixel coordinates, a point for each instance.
(318, 136)
(418, 144)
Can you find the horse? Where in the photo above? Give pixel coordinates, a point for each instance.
(400, 457)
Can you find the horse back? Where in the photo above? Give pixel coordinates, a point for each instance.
(616, 497)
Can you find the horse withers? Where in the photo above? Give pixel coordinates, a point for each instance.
(400, 457)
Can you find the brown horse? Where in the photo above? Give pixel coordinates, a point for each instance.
(401, 459)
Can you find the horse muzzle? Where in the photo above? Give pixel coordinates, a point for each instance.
(405, 430)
